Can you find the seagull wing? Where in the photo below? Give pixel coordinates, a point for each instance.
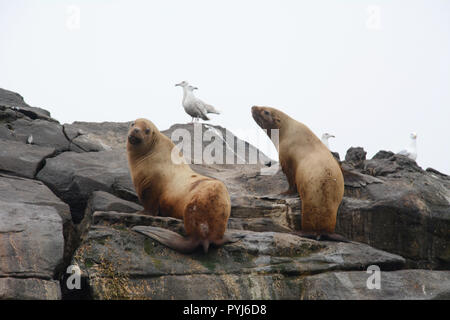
(200, 107)
(210, 109)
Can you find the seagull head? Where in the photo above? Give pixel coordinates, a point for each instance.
(182, 84)
(327, 135)
(192, 88)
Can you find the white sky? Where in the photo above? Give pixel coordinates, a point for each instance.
(369, 72)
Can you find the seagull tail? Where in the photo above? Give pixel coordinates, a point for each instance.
(211, 109)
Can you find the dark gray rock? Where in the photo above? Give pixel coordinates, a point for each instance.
(15, 101)
(29, 289)
(74, 176)
(381, 166)
(408, 214)
(383, 155)
(120, 263)
(22, 159)
(394, 285)
(31, 241)
(103, 201)
(355, 155)
(26, 191)
(45, 133)
(105, 134)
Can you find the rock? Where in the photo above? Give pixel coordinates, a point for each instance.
(383, 155)
(45, 133)
(388, 166)
(32, 247)
(25, 191)
(119, 263)
(114, 135)
(106, 134)
(22, 159)
(204, 137)
(38, 230)
(20, 190)
(74, 176)
(336, 156)
(9, 99)
(103, 201)
(440, 174)
(408, 214)
(394, 285)
(29, 289)
(355, 155)
(398, 212)
(108, 203)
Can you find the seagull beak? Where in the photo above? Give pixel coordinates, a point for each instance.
(178, 84)
(194, 88)
(331, 136)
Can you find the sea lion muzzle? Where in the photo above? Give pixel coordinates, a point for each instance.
(134, 140)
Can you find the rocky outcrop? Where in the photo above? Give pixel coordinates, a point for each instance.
(66, 198)
(394, 285)
(408, 214)
(32, 245)
(120, 263)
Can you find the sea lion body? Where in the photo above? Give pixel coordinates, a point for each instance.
(310, 169)
(173, 189)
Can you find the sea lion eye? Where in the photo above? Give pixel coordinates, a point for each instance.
(266, 112)
(132, 124)
(147, 131)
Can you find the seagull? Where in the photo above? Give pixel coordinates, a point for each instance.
(193, 106)
(411, 151)
(325, 138)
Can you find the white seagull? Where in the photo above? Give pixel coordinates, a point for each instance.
(411, 151)
(325, 138)
(193, 106)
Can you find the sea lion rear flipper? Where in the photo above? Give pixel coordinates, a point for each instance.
(168, 238)
(229, 238)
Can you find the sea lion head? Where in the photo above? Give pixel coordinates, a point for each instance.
(141, 133)
(266, 117)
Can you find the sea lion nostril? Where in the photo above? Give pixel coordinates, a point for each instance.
(136, 130)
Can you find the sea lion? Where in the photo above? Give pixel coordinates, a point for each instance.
(169, 189)
(310, 169)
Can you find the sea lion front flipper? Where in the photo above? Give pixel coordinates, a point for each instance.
(332, 237)
(168, 238)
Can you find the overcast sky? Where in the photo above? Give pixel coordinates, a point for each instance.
(369, 72)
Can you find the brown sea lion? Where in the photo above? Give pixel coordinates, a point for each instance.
(310, 169)
(172, 189)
